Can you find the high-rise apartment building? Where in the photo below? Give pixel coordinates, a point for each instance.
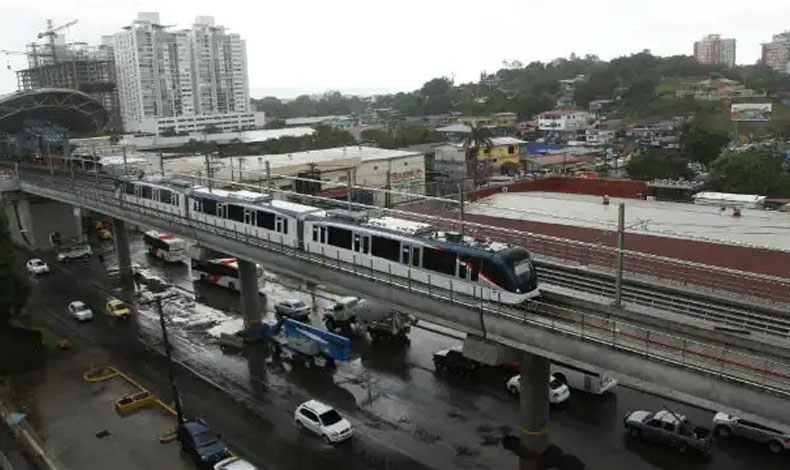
(776, 54)
(183, 80)
(712, 49)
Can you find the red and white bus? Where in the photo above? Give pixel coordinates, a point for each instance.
(223, 272)
(164, 246)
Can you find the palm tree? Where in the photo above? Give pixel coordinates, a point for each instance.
(479, 137)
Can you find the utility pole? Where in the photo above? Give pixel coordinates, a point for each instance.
(161, 164)
(387, 194)
(620, 248)
(232, 178)
(170, 372)
(51, 164)
(260, 182)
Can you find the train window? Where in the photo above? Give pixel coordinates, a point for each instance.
(129, 187)
(285, 226)
(473, 264)
(366, 244)
(415, 256)
(438, 260)
(265, 220)
(146, 192)
(235, 213)
(315, 233)
(165, 196)
(339, 237)
(209, 206)
(495, 273)
(406, 253)
(385, 248)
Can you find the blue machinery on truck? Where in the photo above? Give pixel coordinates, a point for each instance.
(303, 340)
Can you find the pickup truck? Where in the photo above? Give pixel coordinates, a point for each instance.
(669, 428)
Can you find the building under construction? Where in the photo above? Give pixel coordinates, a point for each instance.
(77, 66)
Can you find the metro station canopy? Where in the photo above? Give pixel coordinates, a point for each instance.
(69, 109)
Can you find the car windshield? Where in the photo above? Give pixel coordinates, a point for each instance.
(119, 306)
(298, 304)
(205, 438)
(554, 384)
(330, 417)
(37, 262)
(80, 306)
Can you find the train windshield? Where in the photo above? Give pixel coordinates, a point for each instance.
(520, 260)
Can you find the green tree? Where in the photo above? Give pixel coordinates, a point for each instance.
(658, 164)
(750, 173)
(478, 137)
(14, 288)
(700, 144)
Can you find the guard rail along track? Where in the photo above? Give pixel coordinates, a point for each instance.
(717, 360)
(729, 314)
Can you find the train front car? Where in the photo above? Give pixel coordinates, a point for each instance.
(522, 276)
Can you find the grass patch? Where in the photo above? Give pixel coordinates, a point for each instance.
(50, 338)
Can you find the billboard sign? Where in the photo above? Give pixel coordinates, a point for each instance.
(751, 112)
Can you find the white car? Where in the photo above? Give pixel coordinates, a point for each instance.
(37, 266)
(778, 439)
(323, 420)
(80, 310)
(75, 252)
(558, 391)
(234, 463)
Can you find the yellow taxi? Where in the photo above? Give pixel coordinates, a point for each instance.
(105, 234)
(116, 308)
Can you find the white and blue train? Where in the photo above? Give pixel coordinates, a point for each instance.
(401, 248)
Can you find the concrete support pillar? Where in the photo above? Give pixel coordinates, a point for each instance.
(250, 298)
(124, 254)
(534, 406)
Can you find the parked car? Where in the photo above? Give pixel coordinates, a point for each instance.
(36, 266)
(201, 443)
(452, 360)
(116, 308)
(323, 420)
(669, 428)
(725, 425)
(558, 391)
(75, 252)
(234, 463)
(293, 308)
(80, 310)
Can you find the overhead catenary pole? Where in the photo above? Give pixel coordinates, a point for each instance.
(208, 171)
(461, 207)
(161, 164)
(348, 188)
(268, 177)
(125, 166)
(620, 248)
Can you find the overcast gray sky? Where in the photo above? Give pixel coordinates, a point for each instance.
(365, 46)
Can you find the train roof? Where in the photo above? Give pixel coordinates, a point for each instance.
(223, 194)
(295, 208)
(410, 230)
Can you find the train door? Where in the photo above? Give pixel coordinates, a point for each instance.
(249, 221)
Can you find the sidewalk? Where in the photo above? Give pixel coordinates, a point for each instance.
(12, 452)
(77, 424)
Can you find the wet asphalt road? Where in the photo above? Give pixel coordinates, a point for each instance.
(405, 415)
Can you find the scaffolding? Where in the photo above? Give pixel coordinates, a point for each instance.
(87, 69)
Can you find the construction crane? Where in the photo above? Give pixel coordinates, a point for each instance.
(51, 32)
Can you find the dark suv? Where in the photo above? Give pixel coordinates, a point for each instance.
(202, 444)
(453, 361)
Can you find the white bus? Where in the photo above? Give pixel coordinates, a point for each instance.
(587, 379)
(223, 272)
(164, 246)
